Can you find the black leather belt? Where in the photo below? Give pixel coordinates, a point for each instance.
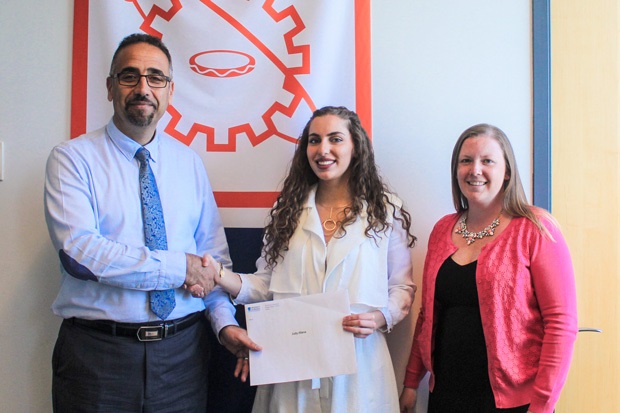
(150, 331)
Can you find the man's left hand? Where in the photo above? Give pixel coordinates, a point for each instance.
(237, 341)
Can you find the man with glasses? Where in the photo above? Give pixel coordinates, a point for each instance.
(130, 212)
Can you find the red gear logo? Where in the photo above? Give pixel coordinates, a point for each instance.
(224, 64)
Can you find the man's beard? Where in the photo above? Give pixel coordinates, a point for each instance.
(138, 118)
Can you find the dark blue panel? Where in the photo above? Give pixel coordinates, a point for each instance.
(226, 393)
(541, 50)
(245, 246)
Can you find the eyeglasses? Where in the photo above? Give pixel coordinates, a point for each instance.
(132, 79)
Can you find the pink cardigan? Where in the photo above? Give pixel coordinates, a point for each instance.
(528, 306)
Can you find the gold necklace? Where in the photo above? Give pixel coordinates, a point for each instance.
(471, 237)
(330, 225)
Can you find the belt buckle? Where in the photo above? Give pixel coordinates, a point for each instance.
(152, 333)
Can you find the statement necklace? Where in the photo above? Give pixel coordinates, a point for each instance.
(471, 237)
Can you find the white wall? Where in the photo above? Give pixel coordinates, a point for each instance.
(438, 67)
(35, 45)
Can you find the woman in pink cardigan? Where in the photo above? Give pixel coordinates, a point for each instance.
(499, 316)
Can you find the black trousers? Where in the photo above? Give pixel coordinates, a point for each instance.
(97, 372)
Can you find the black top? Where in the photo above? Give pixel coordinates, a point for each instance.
(460, 358)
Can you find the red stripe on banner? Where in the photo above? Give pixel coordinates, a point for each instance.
(80, 68)
(245, 199)
(363, 85)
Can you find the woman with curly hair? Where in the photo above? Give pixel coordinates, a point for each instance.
(336, 226)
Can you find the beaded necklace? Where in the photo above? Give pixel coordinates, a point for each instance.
(471, 237)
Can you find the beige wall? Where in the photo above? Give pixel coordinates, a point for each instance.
(586, 184)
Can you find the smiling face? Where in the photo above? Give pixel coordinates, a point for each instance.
(330, 149)
(481, 171)
(137, 109)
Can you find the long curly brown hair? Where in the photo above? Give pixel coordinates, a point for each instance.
(364, 183)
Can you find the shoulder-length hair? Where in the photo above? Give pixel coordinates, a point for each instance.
(515, 202)
(364, 183)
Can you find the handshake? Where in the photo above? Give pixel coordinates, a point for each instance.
(200, 279)
(201, 274)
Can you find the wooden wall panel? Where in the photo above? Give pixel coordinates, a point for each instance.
(586, 185)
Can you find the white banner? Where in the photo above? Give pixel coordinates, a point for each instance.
(247, 74)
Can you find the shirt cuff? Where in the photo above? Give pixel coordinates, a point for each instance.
(220, 311)
(389, 325)
(174, 270)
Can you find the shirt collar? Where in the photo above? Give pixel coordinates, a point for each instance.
(128, 146)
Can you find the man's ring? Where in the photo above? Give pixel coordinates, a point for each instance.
(245, 358)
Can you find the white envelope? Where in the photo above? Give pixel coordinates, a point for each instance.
(302, 338)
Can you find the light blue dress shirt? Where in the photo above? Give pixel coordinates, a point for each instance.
(92, 207)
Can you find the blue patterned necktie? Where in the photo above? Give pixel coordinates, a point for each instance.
(162, 302)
